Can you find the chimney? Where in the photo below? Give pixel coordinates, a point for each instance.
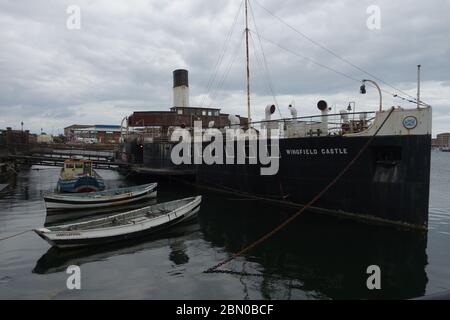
(180, 88)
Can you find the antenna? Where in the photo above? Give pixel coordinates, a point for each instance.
(418, 86)
(249, 118)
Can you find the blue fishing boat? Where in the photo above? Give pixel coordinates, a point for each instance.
(77, 175)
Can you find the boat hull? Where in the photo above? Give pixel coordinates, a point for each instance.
(389, 182)
(81, 238)
(81, 184)
(53, 204)
(113, 197)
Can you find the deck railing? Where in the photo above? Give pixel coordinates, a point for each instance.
(317, 125)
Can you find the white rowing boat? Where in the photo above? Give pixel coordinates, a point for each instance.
(122, 226)
(107, 198)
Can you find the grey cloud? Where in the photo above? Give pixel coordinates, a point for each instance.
(125, 52)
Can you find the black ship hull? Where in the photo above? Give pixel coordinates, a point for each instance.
(389, 182)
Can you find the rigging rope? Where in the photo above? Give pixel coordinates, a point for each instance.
(309, 59)
(15, 235)
(332, 69)
(331, 51)
(409, 100)
(308, 205)
(265, 66)
(257, 58)
(230, 65)
(221, 56)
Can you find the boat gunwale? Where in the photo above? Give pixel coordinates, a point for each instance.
(63, 228)
(66, 242)
(91, 196)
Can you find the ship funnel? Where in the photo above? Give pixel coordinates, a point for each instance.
(323, 107)
(180, 88)
(270, 109)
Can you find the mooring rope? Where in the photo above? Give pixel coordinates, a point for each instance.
(308, 205)
(15, 235)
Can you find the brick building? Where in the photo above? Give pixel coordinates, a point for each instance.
(69, 131)
(10, 136)
(443, 140)
(93, 133)
(159, 122)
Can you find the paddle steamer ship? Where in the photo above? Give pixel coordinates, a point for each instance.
(389, 151)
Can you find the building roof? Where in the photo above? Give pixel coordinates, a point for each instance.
(78, 126)
(106, 126)
(113, 128)
(195, 108)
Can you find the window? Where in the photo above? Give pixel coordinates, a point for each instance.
(209, 113)
(180, 111)
(203, 113)
(78, 166)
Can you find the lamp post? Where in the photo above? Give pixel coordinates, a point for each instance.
(22, 136)
(363, 90)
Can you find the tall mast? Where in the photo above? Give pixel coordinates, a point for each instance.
(248, 64)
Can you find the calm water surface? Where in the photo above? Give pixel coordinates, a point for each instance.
(317, 257)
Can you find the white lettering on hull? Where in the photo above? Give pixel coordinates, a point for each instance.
(312, 152)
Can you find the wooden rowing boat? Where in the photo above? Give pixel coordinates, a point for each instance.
(108, 198)
(122, 226)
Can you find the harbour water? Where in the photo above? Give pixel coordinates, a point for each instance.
(316, 257)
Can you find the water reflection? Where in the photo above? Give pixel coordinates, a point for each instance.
(57, 260)
(7, 185)
(323, 255)
(317, 256)
(178, 253)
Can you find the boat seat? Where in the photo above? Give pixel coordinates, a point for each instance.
(161, 211)
(138, 220)
(157, 213)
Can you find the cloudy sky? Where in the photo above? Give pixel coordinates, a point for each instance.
(121, 58)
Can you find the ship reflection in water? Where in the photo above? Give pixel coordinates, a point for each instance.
(315, 257)
(322, 255)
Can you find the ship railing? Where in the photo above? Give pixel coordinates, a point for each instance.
(317, 125)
